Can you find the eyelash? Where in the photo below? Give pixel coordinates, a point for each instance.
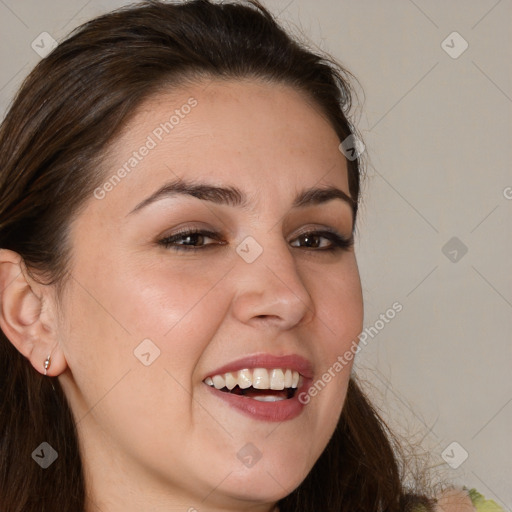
(338, 241)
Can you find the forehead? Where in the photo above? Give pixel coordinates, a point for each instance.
(266, 138)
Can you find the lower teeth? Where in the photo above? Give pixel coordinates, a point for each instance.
(268, 398)
(260, 394)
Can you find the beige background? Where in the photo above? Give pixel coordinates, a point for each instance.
(438, 141)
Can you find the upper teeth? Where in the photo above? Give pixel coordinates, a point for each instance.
(259, 378)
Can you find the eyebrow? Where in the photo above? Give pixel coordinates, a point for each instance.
(234, 197)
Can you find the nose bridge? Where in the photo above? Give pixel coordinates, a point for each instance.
(269, 285)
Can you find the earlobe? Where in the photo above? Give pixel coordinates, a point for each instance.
(21, 319)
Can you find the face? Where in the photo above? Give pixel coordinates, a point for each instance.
(169, 296)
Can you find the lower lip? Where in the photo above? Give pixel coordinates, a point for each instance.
(281, 410)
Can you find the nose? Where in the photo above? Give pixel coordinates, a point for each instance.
(271, 291)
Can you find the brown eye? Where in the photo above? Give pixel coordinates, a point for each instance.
(191, 240)
(312, 240)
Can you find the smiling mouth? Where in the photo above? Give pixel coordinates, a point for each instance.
(261, 384)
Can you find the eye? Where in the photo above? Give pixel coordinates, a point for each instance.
(193, 240)
(311, 239)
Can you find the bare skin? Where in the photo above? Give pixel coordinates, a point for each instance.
(155, 437)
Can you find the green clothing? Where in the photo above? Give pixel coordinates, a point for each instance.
(481, 504)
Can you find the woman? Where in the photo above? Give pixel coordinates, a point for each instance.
(178, 199)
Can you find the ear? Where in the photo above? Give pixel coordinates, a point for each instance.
(27, 315)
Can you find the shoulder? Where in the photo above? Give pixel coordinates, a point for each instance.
(464, 500)
(454, 500)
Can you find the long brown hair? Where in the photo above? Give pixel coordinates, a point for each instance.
(67, 111)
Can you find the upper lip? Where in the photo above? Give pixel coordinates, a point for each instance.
(269, 361)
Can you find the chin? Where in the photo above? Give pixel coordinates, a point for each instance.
(266, 484)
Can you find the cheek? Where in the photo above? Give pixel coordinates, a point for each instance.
(177, 308)
(109, 320)
(338, 300)
(337, 297)
(112, 308)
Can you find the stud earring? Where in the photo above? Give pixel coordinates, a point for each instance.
(47, 364)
